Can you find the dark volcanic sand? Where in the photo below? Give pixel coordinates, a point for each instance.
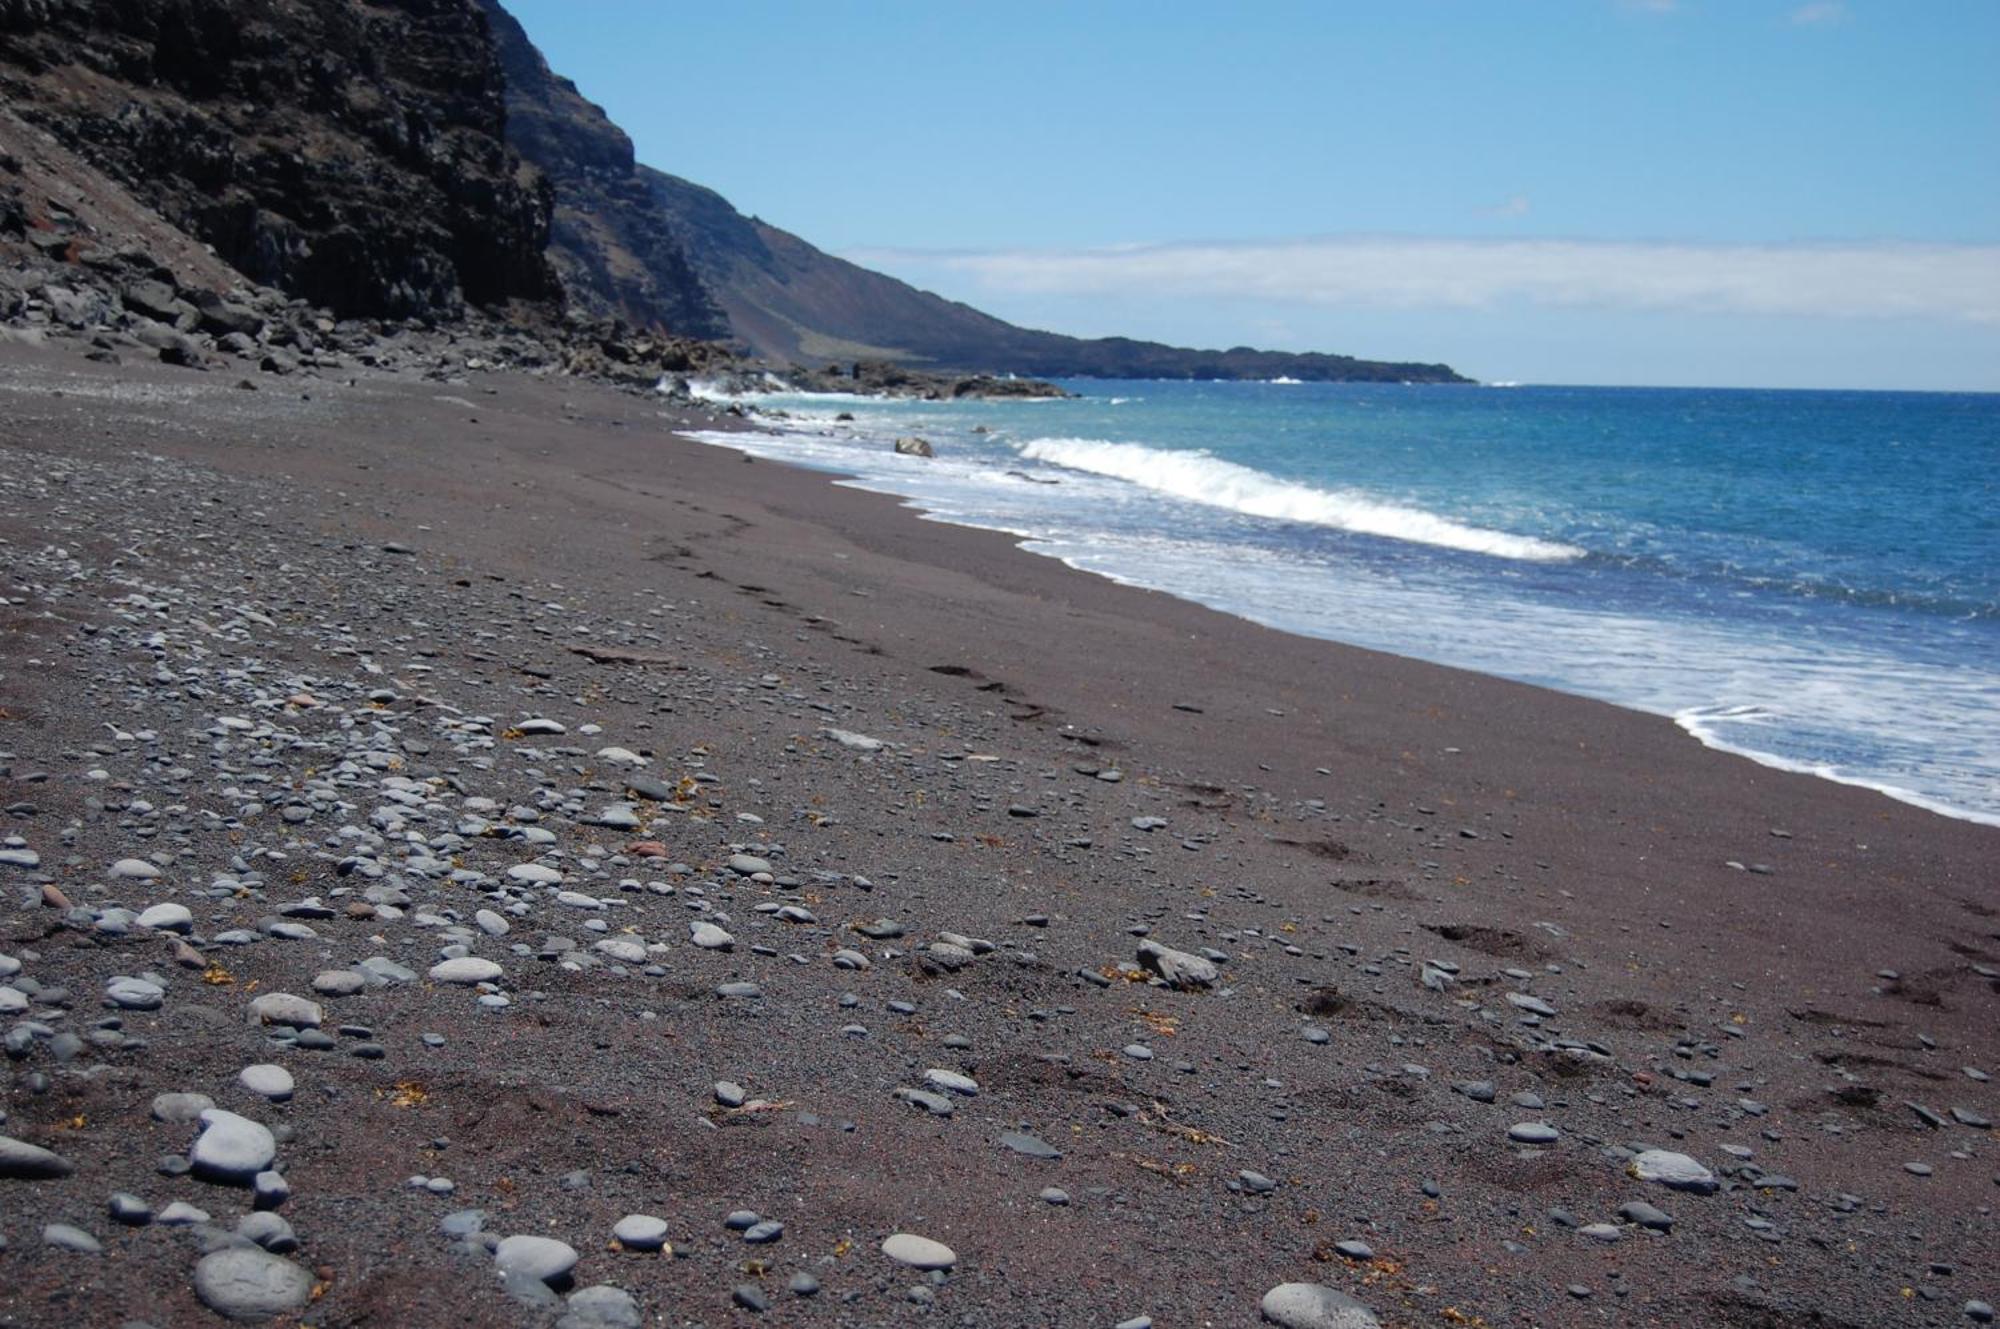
(1334, 819)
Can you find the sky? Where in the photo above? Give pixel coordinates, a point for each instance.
(1786, 193)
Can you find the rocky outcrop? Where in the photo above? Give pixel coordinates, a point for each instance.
(616, 253)
(349, 154)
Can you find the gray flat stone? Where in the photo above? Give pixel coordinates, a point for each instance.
(1030, 1146)
(1311, 1306)
(284, 1008)
(246, 1283)
(67, 1237)
(180, 1109)
(641, 1232)
(601, 1307)
(528, 1256)
(231, 1149)
(30, 1162)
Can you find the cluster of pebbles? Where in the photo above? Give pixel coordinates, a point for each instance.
(353, 920)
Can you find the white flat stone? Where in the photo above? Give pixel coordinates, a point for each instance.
(1673, 1170)
(710, 937)
(272, 1082)
(284, 1008)
(951, 1080)
(167, 918)
(919, 1252)
(134, 869)
(466, 969)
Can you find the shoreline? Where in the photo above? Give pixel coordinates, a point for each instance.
(1401, 866)
(1686, 718)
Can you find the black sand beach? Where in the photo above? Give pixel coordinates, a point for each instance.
(245, 639)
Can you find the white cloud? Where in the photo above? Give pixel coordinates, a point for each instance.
(1517, 206)
(1955, 282)
(1820, 11)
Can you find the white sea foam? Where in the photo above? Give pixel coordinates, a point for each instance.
(1707, 724)
(1200, 478)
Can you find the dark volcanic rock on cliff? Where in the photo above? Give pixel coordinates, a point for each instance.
(349, 154)
(615, 251)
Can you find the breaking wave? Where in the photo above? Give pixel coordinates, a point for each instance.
(1200, 478)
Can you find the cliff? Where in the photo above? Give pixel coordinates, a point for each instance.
(350, 154)
(615, 252)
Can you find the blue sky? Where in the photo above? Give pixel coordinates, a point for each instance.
(1646, 191)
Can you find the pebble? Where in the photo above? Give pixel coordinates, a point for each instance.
(1178, 969)
(134, 869)
(951, 1082)
(919, 1252)
(601, 1307)
(64, 1236)
(542, 1258)
(247, 1283)
(1313, 1306)
(286, 1009)
(465, 969)
(166, 918)
(1533, 1132)
(1646, 1216)
(709, 937)
(1030, 1146)
(268, 1230)
(180, 1109)
(1675, 1171)
(273, 1082)
(28, 1162)
(231, 1149)
(129, 1209)
(641, 1232)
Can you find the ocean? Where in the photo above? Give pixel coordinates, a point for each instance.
(1808, 579)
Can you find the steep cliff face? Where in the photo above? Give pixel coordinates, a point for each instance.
(616, 253)
(352, 154)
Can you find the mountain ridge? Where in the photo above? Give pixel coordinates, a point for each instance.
(783, 298)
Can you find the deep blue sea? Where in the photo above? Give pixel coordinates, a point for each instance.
(1810, 579)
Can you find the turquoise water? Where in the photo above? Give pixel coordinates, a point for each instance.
(1811, 579)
